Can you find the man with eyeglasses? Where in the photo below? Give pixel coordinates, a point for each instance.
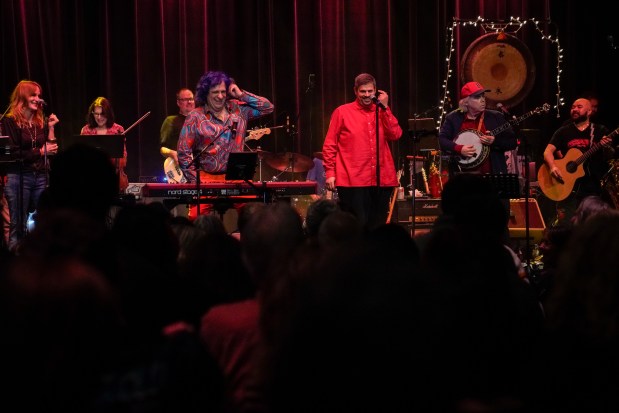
(172, 125)
(464, 134)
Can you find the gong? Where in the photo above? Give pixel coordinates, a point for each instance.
(502, 64)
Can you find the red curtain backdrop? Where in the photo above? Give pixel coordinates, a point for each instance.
(139, 52)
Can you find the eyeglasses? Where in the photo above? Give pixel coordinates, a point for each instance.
(186, 100)
(98, 114)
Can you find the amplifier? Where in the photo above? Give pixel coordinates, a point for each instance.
(426, 211)
(518, 219)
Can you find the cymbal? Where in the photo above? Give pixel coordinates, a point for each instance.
(262, 154)
(288, 161)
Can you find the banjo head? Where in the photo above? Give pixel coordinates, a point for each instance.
(471, 137)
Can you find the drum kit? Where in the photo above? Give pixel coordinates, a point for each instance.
(282, 162)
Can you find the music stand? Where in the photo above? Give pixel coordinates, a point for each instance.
(112, 145)
(506, 185)
(241, 166)
(5, 149)
(417, 127)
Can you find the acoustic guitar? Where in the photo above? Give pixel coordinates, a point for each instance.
(571, 169)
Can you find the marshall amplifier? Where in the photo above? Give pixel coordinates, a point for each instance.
(426, 211)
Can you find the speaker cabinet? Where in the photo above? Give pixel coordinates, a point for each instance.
(517, 219)
(426, 212)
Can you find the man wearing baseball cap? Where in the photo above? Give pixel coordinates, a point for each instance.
(465, 134)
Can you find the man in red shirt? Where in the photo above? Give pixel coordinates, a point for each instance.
(350, 153)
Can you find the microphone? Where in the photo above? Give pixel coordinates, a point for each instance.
(287, 124)
(378, 102)
(503, 109)
(41, 102)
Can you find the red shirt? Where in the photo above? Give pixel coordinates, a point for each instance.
(349, 149)
(230, 333)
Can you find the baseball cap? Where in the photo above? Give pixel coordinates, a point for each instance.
(472, 88)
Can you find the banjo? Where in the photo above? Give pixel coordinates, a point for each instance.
(473, 137)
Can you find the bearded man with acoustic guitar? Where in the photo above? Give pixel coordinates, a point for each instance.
(475, 137)
(576, 160)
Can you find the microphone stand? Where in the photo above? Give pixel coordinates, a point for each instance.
(527, 256)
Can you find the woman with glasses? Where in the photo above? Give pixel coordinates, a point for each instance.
(100, 121)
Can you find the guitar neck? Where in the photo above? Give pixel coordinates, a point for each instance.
(508, 124)
(545, 107)
(594, 148)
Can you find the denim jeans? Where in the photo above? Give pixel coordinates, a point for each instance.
(22, 197)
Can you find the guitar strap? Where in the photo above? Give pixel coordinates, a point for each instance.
(481, 122)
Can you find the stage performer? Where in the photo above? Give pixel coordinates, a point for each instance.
(473, 120)
(215, 128)
(32, 140)
(100, 121)
(349, 153)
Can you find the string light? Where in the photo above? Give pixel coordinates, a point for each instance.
(500, 28)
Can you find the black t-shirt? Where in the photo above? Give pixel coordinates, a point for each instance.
(570, 137)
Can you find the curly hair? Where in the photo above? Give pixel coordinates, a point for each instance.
(207, 82)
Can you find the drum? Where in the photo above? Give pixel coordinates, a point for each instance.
(610, 182)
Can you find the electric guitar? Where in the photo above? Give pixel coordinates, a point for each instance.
(425, 180)
(571, 169)
(173, 171)
(255, 134)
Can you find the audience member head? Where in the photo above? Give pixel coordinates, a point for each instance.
(246, 212)
(475, 206)
(269, 238)
(92, 191)
(587, 287)
(211, 224)
(317, 211)
(339, 227)
(589, 206)
(64, 325)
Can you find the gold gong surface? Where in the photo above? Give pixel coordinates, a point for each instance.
(504, 66)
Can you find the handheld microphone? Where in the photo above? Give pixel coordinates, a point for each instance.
(503, 109)
(41, 102)
(376, 101)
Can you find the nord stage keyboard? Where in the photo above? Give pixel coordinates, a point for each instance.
(221, 189)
